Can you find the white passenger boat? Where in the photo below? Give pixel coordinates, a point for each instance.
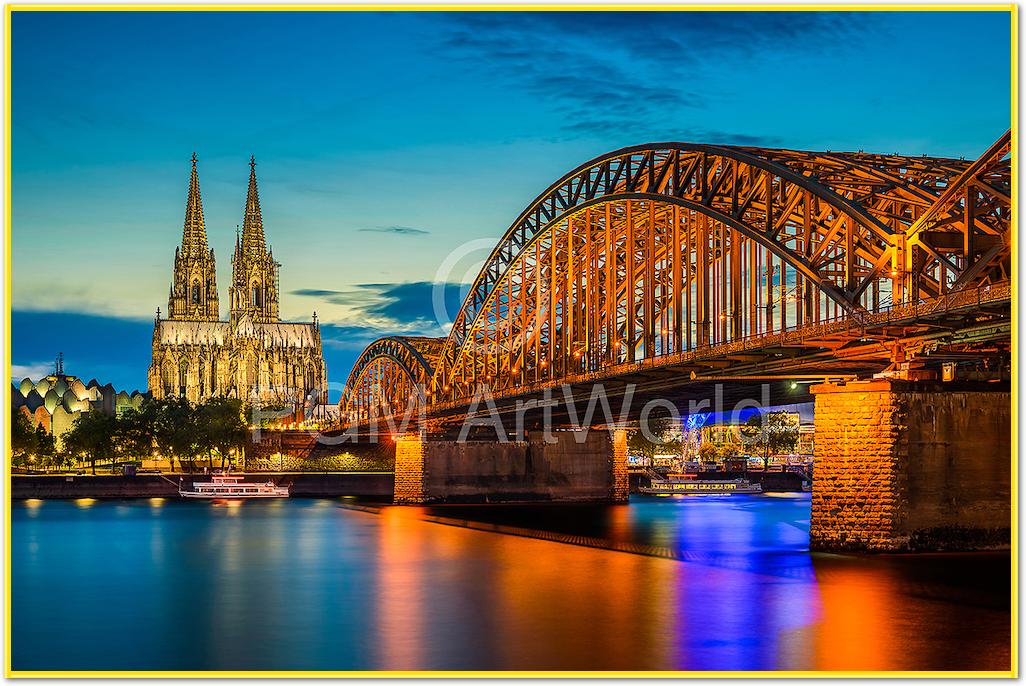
(700, 487)
(232, 486)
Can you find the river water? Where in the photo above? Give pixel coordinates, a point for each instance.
(693, 583)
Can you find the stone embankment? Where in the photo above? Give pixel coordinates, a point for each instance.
(371, 485)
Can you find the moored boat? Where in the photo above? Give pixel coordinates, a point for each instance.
(232, 486)
(700, 487)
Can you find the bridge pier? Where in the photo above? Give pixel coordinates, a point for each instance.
(577, 466)
(911, 466)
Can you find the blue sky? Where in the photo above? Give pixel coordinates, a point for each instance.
(385, 140)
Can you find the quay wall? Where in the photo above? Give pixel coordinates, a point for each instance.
(273, 450)
(371, 485)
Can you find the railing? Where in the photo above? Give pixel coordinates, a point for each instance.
(853, 325)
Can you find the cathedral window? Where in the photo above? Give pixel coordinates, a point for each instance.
(255, 296)
(195, 292)
(183, 375)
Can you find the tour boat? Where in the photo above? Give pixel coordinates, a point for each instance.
(700, 487)
(231, 486)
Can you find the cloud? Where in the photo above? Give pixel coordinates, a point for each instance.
(371, 310)
(631, 74)
(398, 230)
(359, 315)
(32, 370)
(348, 338)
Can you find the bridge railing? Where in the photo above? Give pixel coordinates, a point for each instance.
(846, 325)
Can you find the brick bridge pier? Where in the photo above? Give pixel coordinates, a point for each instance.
(578, 466)
(903, 466)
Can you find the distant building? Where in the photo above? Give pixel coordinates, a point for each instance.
(727, 435)
(253, 355)
(57, 400)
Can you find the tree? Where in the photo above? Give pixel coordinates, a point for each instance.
(729, 451)
(771, 433)
(707, 452)
(175, 430)
(135, 431)
(23, 438)
(46, 447)
(658, 427)
(93, 437)
(221, 427)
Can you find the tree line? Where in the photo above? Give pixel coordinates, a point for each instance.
(172, 428)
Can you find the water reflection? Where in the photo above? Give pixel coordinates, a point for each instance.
(723, 583)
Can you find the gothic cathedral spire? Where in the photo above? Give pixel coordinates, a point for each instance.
(254, 289)
(252, 220)
(193, 293)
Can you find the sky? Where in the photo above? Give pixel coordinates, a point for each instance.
(394, 149)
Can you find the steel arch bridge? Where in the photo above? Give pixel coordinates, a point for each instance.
(662, 249)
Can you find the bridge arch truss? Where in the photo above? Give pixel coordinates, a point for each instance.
(661, 249)
(389, 377)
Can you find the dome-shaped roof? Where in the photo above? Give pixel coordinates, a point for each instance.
(51, 400)
(79, 389)
(26, 386)
(72, 404)
(43, 385)
(61, 387)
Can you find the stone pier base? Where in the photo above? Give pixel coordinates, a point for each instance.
(578, 466)
(910, 466)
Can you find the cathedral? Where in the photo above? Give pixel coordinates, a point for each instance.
(254, 356)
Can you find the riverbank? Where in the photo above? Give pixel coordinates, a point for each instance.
(372, 485)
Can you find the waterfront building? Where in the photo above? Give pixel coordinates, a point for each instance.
(727, 437)
(254, 356)
(58, 399)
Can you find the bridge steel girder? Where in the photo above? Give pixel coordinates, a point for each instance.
(391, 374)
(663, 249)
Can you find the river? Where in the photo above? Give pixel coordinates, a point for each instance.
(695, 583)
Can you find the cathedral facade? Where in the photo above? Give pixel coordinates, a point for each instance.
(254, 356)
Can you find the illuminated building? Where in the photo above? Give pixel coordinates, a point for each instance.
(57, 400)
(252, 356)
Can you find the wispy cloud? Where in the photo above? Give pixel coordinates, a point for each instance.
(32, 370)
(348, 338)
(634, 73)
(371, 310)
(398, 230)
